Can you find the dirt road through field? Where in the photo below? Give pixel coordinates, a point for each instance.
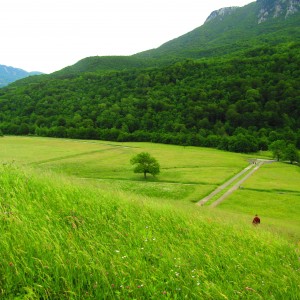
(236, 186)
(255, 165)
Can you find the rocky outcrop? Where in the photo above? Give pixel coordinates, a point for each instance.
(276, 8)
(266, 9)
(221, 13)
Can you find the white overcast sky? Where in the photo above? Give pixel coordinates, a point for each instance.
(48, 35)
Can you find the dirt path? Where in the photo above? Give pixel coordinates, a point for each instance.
(223, 186)
(236, 186)
(254, 166)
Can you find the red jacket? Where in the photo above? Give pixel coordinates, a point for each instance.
(256, 220)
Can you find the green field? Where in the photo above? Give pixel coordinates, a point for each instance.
(77, 223)
(187, 173)
(274, 193)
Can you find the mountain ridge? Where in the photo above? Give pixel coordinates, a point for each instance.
(239, 26)
(222, 33)
(204, 41)
(267, 9)
(209, 40)
(10, 74)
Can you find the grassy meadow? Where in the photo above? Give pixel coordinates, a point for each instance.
(187, 173)
(274, 193)
(77, 223)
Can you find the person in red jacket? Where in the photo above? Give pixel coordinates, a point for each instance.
(256, 220)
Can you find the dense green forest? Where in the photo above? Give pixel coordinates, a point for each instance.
(238, 103)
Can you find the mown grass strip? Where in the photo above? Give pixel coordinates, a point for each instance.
(68, 156)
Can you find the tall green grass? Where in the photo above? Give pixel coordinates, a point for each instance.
(65, 239)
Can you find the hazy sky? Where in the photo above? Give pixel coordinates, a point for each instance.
(48, 35)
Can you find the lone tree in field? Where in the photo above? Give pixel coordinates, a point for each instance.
(145, 163)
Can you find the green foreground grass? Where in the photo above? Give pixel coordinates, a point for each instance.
(77, 223)
(61, 241)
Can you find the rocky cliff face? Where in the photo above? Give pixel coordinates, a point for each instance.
(220, 13)
(266, 9)
(275, 8)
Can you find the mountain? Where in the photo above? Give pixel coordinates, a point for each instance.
(265, 10)
(232, 83)
(225, 31)
(232, 29)
(10, 74)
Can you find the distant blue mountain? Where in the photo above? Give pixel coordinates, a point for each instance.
(10, 74)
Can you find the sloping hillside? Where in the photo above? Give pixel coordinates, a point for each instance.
(102, 64)
(61, 241)
(226, 31)
(234, 30)
(239, 104)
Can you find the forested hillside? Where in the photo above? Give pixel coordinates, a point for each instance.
(239, 103)
(232, 83)
(103, 64)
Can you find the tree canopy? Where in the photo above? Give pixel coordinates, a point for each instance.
(145, 163)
